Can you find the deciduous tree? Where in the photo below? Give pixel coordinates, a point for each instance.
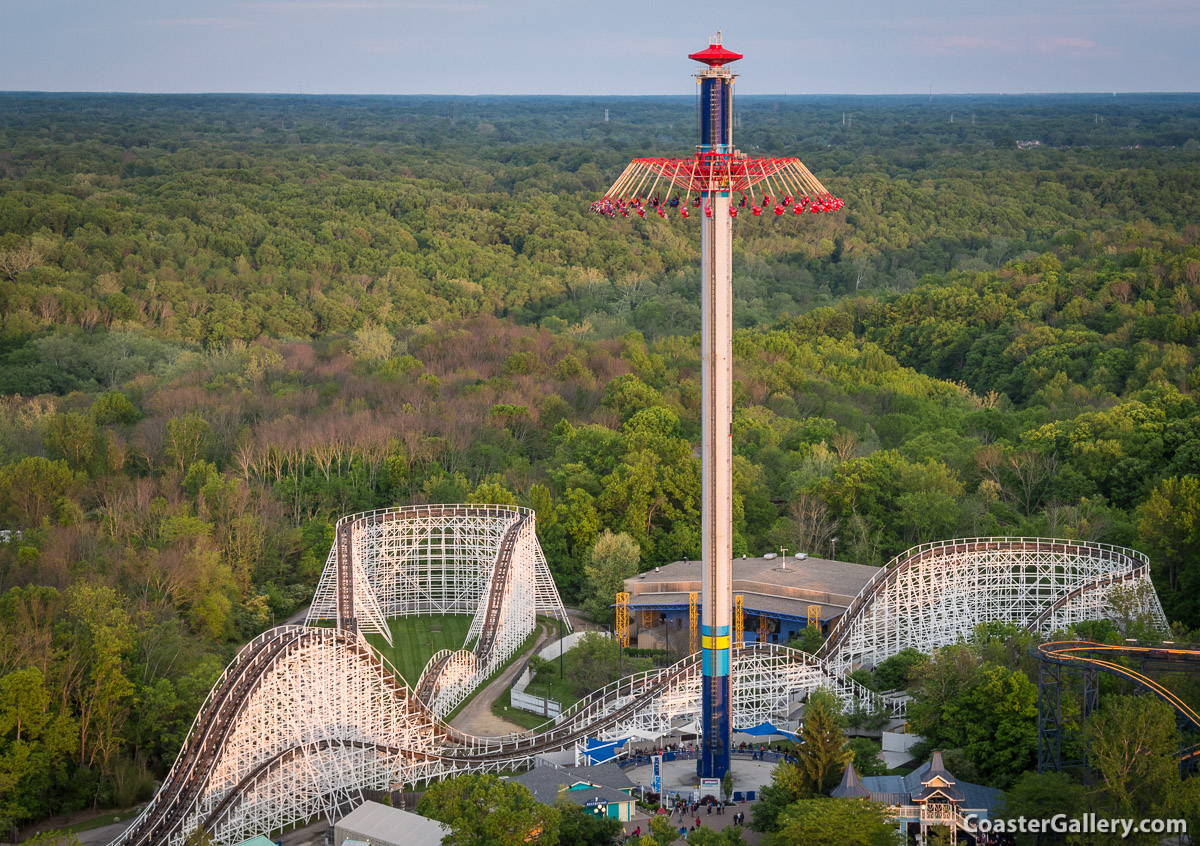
(483, 810)
(818, 822)
(613, 559)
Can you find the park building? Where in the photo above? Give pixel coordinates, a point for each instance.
(778, 596)
(928, 797)
(374, 824)
(603, 789)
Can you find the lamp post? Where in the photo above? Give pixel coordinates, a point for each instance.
(833, 544)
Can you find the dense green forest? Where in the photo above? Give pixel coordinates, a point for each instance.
(226, 321)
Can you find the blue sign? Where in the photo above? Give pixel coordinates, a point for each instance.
(596, 803)
(657, 764)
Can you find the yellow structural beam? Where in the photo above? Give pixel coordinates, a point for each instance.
(739, 620)
(623, 618)
(694, 621)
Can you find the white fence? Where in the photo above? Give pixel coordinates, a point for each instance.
(539, 704)
(535, 704)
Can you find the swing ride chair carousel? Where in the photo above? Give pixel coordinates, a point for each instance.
(684, 186)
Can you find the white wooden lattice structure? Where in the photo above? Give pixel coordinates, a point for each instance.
(935, 594)
(483, 560)
(306, 720)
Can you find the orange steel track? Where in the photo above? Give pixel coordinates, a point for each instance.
(1082, 653)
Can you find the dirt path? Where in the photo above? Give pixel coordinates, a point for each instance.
(477, 717)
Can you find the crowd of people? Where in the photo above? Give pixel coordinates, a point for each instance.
(689, 816)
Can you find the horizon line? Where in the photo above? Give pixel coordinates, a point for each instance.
(923, 94)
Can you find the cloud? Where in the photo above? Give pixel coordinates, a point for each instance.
(198, 23)
(965, 43)
(1072, 45)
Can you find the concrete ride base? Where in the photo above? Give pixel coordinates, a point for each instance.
(680, 776)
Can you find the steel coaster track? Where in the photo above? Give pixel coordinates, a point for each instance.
(1078, 654)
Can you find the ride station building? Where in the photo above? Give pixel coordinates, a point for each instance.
(776, 596)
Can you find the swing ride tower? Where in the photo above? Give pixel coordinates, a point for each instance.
(708, 184)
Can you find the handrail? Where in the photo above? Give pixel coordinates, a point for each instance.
(434, 510)
(922, 552)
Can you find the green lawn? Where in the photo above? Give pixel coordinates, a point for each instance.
(562, 689)
(415, 640)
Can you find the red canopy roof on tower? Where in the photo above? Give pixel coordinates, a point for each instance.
(715, 55)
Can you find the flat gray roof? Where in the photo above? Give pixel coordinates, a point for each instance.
(819, 581)
(381, 824)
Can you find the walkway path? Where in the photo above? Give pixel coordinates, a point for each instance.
(477, 717)
(715, 821)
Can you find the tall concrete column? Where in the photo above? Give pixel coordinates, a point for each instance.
(716, 598)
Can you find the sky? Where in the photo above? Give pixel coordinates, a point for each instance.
(603, 47)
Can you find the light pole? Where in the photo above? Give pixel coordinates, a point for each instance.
(833, 543)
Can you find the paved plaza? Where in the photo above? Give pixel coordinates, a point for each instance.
(680, 776)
